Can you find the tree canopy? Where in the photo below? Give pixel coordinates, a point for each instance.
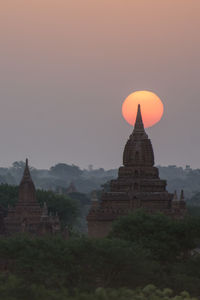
(165, 237)
(61, 267)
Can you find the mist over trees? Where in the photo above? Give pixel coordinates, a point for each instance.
(60, 176)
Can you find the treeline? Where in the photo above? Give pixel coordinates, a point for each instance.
(58, 177)
(179, 178)
(141, 252)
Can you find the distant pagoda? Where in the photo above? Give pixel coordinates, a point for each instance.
(27, 215)
(71, 188)
(138, 186)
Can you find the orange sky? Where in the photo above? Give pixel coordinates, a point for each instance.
(151, 108)
(75, 62)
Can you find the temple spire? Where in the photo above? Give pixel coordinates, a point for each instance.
(139, 126)
(182, 196)
(44, 211)
(175, 198)
(26, 171)
(26, 188)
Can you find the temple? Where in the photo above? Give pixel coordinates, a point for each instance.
(71, 188)
(138, 186)
(27, 216)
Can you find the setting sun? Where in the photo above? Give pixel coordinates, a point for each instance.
(151, 107)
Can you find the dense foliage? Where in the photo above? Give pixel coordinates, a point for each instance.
(55, 265)
(166, 238)
(12, 288)
(75, 263)
(8, 195)
(193, 204)
(141, 249)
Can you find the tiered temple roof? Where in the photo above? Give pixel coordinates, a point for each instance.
(138, 186)
(27, 215)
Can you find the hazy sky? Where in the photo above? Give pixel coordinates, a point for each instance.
(66, 67)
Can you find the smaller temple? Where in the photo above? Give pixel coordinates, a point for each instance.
(178, 204)
(27, 215)
(94, 200)
(71, 188)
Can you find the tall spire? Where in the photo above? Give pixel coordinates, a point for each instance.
(175, 198)
(44, 210)
(27, 174)
(138, 149)
(26, 188)
(182, 196)
(139, 126)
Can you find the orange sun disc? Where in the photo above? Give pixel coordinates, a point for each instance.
(151, 108)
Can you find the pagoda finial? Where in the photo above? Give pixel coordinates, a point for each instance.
(26, 188)
(26, 170)
(182, 196)
(175, 198)
(44, 210)
(139, 126)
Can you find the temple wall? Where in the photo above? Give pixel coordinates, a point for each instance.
(99, 229)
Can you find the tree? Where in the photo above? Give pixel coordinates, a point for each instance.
(76, 263)
(67, 209)
(65, 171)
(84, 264)
(8, 195)
(167, 239)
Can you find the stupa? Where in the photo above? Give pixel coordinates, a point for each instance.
(138, 186)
